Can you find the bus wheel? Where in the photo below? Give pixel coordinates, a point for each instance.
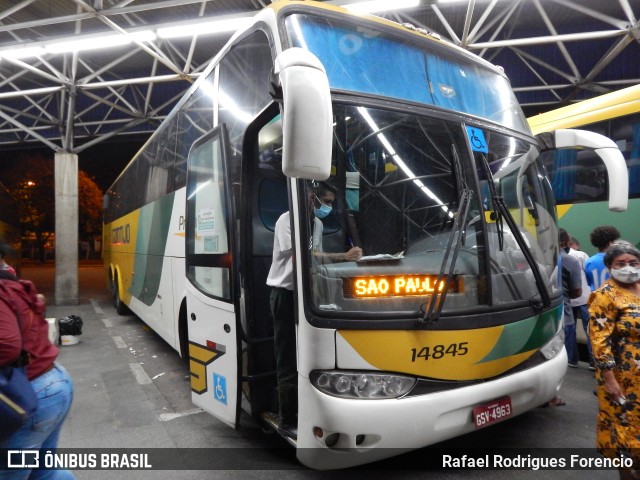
(121, 308)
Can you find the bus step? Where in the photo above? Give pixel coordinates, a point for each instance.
(272, 420)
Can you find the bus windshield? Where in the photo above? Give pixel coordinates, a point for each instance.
(399, 181)
(370, 61)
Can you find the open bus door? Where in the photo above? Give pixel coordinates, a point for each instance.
(211, 317)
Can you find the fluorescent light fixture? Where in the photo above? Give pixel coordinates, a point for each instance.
(396, 158)
(95, 43)
(216, 26)
(22, 52)
(381, 5)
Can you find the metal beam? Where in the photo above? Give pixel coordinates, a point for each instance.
(568, 37)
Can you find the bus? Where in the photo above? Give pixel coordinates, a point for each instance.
(452, 319)
(580, 187)
(10, 228)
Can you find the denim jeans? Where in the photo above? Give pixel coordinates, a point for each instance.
(570, 343)
(582, 312)
(284, 335)
(54, 390)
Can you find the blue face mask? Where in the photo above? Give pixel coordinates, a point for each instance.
(323, 211)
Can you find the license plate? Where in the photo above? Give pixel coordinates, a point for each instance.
(492, 412)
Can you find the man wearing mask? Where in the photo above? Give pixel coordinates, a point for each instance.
(280, 278)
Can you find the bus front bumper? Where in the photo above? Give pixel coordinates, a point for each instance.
(339, 432)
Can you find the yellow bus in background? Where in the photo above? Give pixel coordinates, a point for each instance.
(578, 179)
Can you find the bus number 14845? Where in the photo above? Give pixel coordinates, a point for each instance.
(437, 352)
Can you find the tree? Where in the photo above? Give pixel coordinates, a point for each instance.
(31, 181)
(90, 207)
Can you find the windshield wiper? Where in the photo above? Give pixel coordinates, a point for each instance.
(436, 302)
(503, 212)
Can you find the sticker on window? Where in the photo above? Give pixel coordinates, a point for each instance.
(476, 139)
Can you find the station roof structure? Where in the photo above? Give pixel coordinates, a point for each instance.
(57, 96)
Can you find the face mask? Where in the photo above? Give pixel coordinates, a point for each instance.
(626, 274)
(323, 211)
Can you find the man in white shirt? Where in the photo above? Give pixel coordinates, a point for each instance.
(280, 278)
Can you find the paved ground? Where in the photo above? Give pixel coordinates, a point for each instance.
(132, 391)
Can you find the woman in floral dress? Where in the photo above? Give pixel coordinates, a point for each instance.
(614, 329)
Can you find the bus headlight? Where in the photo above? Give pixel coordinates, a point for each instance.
(554, 346)
(361, 385)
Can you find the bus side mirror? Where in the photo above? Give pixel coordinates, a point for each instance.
(608, 152)
(307, 115)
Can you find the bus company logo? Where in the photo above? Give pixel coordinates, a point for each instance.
(121, 235)
(23, 459)
(199, 357)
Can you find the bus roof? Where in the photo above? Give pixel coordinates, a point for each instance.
(603, 107)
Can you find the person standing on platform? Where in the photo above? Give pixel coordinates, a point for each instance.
(615, 337)
(579, 305)
(572, 287)
(594, 268)
(280, 279)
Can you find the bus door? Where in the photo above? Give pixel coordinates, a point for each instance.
(211, 317)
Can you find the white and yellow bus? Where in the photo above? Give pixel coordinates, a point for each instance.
(579, 179)
(451, 321)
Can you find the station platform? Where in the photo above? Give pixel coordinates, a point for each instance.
(132, 391)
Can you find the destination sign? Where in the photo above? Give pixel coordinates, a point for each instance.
(397, 286)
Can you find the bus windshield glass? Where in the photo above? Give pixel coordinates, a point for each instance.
(370, 61)
(408, 192)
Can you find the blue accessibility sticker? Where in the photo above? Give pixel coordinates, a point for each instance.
(476, 139)
(220, 388)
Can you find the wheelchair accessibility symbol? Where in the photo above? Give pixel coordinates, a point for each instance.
(476, 139)
(220, 388)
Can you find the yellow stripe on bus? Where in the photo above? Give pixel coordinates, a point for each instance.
(563, 209)
(445, 355)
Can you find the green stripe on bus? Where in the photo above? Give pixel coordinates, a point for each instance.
(151, 241)
(526, 335)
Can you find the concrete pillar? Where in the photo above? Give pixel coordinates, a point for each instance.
(66, 190)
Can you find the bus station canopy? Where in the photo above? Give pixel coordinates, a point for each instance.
(57, 96)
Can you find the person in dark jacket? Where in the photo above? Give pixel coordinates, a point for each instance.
(23, 327)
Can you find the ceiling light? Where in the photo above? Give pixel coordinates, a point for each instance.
(22, 52)
(381, 5)
(95, 43)
(207, 28)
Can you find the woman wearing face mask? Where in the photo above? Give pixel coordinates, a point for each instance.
(614, 329)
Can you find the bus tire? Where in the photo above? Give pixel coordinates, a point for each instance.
(121, 308)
